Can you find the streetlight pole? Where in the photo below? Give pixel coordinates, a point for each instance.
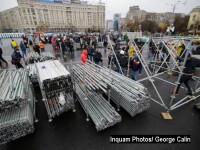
(172, 20)
(174, 6)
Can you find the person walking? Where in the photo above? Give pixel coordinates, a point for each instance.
(64, 48)
(131, 51)
(136, 67)
(123, 61)
(41, 45)
(91, 52)
(36, 48)
(14, 44)
(105, 44)
(16, 59)
(84, 56)
(97, 57)
(1, 58)
(30, 43)
(189, 69)
(23, 48)
(110, 55)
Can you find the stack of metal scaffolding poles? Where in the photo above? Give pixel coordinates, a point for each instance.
(16, 123)
(32, 73)
(56, 87)
(100, 111)
(17, 105)
(32, 57)
(13, 88)
(126, 93)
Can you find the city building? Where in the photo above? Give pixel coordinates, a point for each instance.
(136, 14)
(53, 16)
(194, 21)
(109, 25)
(1, 26)
(116, 22)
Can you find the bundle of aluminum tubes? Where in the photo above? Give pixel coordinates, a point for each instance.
(32, 73)
(13, 88)
(130, 95)
(56, 87)
(16, 123)
(100, 111)
(17, 105)
(32, 57)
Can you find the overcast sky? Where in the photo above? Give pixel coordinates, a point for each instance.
(122, 6)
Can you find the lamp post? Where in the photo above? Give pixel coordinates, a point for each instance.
(174, 6)
(171, 28)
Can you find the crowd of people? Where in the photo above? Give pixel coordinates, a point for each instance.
(120, 58)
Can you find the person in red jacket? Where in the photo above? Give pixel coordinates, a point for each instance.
(84, 56)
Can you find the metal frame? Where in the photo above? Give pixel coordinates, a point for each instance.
(170, 67)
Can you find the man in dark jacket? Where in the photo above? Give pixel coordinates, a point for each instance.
(36, 48)
(1, 58)
(97, 57)
(123, 60)
(136, 67)
(190, 65)
(105, 44)
(23, 48)
(64, 47)
(197, 51)
(91, 52)
(16, 59)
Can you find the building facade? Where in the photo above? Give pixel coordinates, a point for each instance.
(31, 16)
(135, 13)
(116, 23)
(109, 25)
(1, 27)
(194, 21)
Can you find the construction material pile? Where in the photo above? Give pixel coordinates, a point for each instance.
(126, 93)
(16, 123)
(13, 89)
(56, 87)
(101, 112)
(17, 105)
(32, 57)
(32, 73)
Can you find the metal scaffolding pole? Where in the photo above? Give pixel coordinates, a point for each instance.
(143, 62)
(179, 77)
